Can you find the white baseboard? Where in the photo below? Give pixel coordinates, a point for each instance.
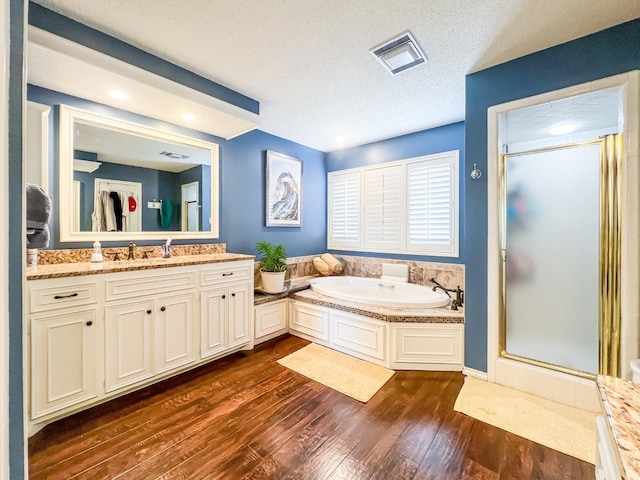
(472, 372)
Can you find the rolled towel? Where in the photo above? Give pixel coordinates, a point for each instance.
(333, 262)
(321, 266)
(38, 207)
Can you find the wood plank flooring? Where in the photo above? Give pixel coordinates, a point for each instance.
(246, 417)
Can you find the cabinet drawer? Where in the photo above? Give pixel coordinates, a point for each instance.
(226, 272)
(61, 292)
(131, 286)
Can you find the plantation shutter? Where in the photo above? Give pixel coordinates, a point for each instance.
(344, 209)
(384, 204)
(430, 205)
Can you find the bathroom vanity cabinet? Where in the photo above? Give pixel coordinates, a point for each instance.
(94, 337)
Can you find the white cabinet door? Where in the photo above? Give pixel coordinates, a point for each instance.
(270, 320)
(239, 312)
(173, 331)
(64, 353)
(128, 344)
(213, 338)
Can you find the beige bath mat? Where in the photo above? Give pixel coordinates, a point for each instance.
(563, 428)
(344, 373)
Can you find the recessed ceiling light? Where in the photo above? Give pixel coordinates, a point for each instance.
(562, 128)
(189, 117)
(118, 94)
(340, 139)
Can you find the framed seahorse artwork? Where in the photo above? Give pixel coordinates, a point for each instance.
(283, 190)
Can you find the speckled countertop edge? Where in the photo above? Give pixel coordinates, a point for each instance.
(621, 402)
(299, 290)
(88, 268)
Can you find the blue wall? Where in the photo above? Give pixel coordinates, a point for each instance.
(15, 262)
(609, 52)
(434, 140)
(242, 183)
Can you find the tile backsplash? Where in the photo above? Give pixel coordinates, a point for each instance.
(78, 255)
(450, 275)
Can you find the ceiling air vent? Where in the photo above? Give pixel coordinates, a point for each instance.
(399, 54)
(175, 156)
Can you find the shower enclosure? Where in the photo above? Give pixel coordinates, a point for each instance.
(560, 260)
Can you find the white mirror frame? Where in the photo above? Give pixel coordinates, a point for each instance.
(68, 115)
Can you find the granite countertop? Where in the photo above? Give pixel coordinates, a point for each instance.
(88, 268)
(621, 402)
(291, 286)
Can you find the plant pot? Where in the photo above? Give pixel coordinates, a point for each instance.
(272, 282)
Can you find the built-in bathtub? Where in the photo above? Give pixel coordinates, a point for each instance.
(373, 291)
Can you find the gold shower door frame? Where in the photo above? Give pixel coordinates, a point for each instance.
(609, 303)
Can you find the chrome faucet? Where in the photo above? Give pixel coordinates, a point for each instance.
(458, 301)
(132, 251)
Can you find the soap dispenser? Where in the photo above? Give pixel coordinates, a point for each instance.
(96, 257)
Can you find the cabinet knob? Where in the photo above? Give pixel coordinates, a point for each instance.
(233, 294)
(162, 309)
(224, 296)
(89, 323)
(148, 312)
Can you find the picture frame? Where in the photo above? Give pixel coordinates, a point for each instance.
(283, 193)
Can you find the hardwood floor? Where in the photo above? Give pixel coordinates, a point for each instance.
(246, 417)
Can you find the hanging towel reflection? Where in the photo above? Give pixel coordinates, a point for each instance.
(166, 213)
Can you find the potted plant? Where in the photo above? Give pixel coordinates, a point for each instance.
(273, 266)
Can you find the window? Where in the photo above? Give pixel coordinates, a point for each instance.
(409, 206)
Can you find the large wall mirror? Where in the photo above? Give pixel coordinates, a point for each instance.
(124, 181)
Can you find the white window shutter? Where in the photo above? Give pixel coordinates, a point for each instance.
(431, 206)
(384, 207)
(343, 210)
(406, 207)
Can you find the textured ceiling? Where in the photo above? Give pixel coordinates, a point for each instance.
(308, 62)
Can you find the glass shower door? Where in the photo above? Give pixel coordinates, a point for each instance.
(550, 241)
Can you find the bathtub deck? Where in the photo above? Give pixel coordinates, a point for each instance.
(245, 416)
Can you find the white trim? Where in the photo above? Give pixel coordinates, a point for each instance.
(630, 216)
(230, 122)
(67, 116)
(472, 372)
(42, 142)
(4, 241)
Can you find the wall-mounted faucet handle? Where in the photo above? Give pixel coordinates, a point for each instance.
(145, 254)
(132, 249)
(116, 256)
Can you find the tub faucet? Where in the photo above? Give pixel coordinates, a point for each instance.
(459, 300)
(132, 251)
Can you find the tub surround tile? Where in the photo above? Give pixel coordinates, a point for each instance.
(621, 402)
(87, 268)
(450, 275)
(79, 255)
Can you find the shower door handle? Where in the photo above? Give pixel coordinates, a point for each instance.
(503, 255)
